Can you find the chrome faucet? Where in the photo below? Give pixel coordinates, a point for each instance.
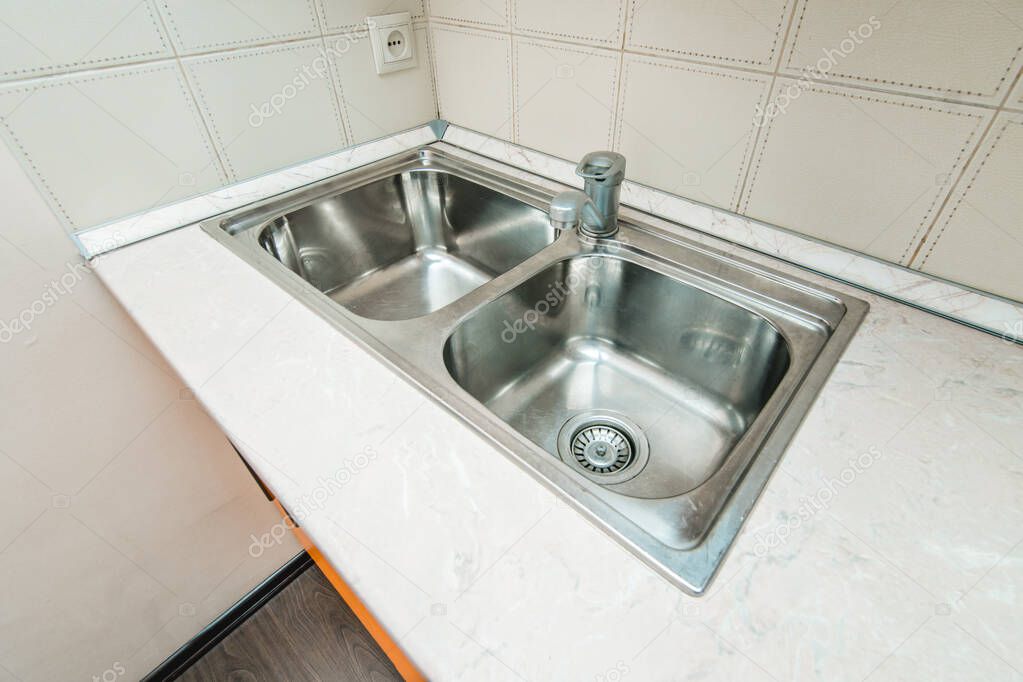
(595, 211)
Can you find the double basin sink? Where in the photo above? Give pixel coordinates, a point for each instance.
(651, 381)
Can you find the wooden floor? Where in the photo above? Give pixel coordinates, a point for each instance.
(305, 632)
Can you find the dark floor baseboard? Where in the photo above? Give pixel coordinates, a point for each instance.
(212, 634)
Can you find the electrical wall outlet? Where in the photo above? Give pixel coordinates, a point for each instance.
(394, 45)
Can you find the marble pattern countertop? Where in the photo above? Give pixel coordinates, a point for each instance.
(887, 545)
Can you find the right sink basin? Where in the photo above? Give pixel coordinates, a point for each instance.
(634, 379)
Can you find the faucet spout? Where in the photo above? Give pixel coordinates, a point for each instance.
(595, 211)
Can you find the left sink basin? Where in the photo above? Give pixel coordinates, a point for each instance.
(407, 244)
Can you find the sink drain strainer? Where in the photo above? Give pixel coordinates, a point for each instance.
(605, 446)
(602, 449)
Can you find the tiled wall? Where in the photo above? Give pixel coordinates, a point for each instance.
(116, 106)
(904, 140)
(128, 520)
(125, 516)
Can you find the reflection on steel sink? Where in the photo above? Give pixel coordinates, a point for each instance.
(652, 382)
(684, 372)
(691, 370)
(408, 244)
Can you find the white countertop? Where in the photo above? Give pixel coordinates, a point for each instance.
(888, 543)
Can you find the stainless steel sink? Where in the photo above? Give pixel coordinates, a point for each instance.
(652, 382)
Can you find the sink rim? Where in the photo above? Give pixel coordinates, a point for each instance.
(649, 242)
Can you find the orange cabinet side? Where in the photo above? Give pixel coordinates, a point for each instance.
(406, 668)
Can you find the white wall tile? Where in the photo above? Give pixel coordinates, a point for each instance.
(978, 240)
(598, 22)
(343, 15)
(864, 171)
(1015, 100)
(743, 34)
(222, 24)
(564, 97)
(491, 13)
(29, 218)
(248, 574)
(25, 498)
(86, 366)
(64, 583)
(134, 141)
(268, 107)
(15, 264)
(186, 487)
(380, 104)
(688, 129)
(474, 79)
(88, 381)
(39, 38)
(934, 47)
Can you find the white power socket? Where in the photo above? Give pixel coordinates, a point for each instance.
(394, 46)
